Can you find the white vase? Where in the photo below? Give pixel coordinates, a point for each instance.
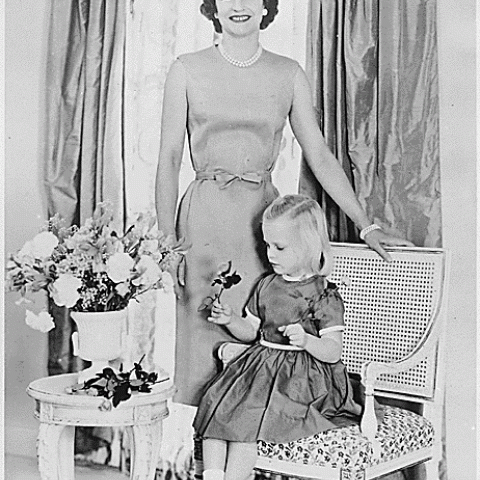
(99, 339)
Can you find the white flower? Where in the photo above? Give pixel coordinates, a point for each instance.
(26, 250)
(122, 288)
(41, 246)
(42, 322)
(64, 290)
(119, 266)
(149, 271)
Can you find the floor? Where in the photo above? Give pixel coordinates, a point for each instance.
(25, 468)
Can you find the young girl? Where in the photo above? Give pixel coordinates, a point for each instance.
(290, 383)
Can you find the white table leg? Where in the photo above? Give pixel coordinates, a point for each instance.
(145, 441)
(55, 452)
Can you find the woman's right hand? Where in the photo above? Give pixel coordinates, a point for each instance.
(378, 238)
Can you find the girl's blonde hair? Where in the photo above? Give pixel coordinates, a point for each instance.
(309, 218)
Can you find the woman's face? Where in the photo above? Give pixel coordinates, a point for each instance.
(240, 17)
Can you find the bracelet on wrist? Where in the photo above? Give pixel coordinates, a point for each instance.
(364, 232)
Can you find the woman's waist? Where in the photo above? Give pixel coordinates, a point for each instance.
(225, 178)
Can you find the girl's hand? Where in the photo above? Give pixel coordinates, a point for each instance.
(377, 238)
(295, 333)
(220, 314)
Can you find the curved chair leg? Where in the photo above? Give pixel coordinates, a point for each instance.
(55, 452)
(145, 441)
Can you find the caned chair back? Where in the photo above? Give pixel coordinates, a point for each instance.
(389, 308)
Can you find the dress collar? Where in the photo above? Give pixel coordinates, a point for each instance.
(289, 278)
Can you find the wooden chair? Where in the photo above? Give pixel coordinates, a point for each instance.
(393, 340)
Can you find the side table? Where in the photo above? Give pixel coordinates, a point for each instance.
(60, 412)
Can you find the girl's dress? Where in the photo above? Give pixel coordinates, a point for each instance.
(235, 120)
(281, 395)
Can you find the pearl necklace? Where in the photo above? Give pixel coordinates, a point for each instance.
(238, 63)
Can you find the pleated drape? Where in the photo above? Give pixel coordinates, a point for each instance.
(84, 161)
(84, 154)
(373, 66)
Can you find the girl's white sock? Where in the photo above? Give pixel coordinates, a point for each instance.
(213, 474)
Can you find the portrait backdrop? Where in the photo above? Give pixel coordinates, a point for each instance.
(372, 67)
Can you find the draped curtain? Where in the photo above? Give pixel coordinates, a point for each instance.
(373, 68)
(84, 141)
(84, 157)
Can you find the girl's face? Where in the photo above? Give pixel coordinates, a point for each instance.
(240, 17)
(283, 248)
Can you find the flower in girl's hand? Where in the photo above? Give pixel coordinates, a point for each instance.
(226, 279)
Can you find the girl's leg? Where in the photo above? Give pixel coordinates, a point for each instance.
(241, 459)
(214, 458)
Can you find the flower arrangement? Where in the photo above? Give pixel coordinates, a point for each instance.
(226, 279)
(92, 268)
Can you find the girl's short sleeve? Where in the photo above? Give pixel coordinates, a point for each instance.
(329, 314)
(253, 304)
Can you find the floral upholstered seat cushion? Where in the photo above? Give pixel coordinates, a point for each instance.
(400, 432)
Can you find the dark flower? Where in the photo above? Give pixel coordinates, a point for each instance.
(117, 387)
(226, 279)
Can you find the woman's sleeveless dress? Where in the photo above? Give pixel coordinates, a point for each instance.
(236, 118)
(280, 395)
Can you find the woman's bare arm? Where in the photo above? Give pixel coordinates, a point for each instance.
(320, 159)
(326, 167)
(173, 129)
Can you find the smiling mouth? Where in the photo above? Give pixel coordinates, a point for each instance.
(239, 18)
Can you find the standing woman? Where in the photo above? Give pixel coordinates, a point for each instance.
(233, 100)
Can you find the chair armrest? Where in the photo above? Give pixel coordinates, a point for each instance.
(371, 370)
(229, 351)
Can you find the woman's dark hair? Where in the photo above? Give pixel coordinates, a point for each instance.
(209, 9)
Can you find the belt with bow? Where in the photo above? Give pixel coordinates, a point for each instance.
(227, 178)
